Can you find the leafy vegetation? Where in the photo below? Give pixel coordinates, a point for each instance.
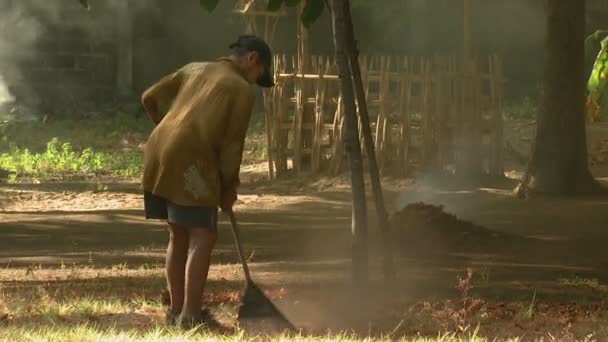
(597, 101)
(60, 159)
(105, 133)
(73, 148)
(583, 283)
(88, 148)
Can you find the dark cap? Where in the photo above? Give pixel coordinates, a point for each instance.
(252, 43)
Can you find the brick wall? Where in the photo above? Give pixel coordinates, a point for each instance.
(69, 61)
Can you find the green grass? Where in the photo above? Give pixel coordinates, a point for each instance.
(583, 283)
(117, 304)
(57, 305)
(106, 134)
(60, 160)
(93, 333)
(65, 149)
(122, 303)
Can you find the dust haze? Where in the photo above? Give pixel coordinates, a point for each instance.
(60, 58)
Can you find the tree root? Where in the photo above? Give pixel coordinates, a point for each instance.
(584, 185)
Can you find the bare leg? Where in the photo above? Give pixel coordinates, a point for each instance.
(201, 241)
(177, 255)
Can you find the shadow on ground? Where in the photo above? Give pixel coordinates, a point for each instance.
(304, 247)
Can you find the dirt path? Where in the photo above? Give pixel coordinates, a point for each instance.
(298, 233)
(49, 224)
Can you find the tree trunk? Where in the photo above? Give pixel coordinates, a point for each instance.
(559, 159)
(383, 225)
(353, 147)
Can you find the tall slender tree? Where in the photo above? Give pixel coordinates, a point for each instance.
(339, 8)
(381, 213)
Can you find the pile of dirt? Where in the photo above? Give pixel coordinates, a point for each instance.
(420, 226)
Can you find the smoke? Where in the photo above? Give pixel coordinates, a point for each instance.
(22, 23)
(5, 95)
(18, 33)
(35, 35)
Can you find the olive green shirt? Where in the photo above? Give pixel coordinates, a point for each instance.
(194, 153)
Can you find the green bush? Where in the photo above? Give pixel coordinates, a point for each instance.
(60, 159)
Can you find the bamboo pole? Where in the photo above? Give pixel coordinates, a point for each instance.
(319, 117)
(496, 81)
(476, 124)
(441, 110)
(380, 116)
(282, 121)
(405, 110)
(426, 114)
(467, 45)
(338, 138)
(268, 119)
(343, 37)
(297, 125)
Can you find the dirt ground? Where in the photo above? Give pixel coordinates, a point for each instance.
(298, 234)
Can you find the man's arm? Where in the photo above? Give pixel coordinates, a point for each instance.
(231, 151)
(166, 88)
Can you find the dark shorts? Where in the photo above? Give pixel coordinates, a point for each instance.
(158, 208)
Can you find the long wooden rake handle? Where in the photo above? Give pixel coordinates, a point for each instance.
(239, 246)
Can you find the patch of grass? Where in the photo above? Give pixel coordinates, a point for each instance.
(80, 310)
(583, 283)
(106, 134)
(73, 149)
(68, 149)
(61, 160)
(90, 332)
(120, 303)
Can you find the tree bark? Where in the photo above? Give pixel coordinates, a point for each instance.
(559, 163)
(383, 225)
(353, 147)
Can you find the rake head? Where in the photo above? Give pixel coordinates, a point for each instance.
(258, 313)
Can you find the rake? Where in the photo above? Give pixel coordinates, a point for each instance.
(256, 311)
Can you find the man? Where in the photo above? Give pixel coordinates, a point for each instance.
(192, 160)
